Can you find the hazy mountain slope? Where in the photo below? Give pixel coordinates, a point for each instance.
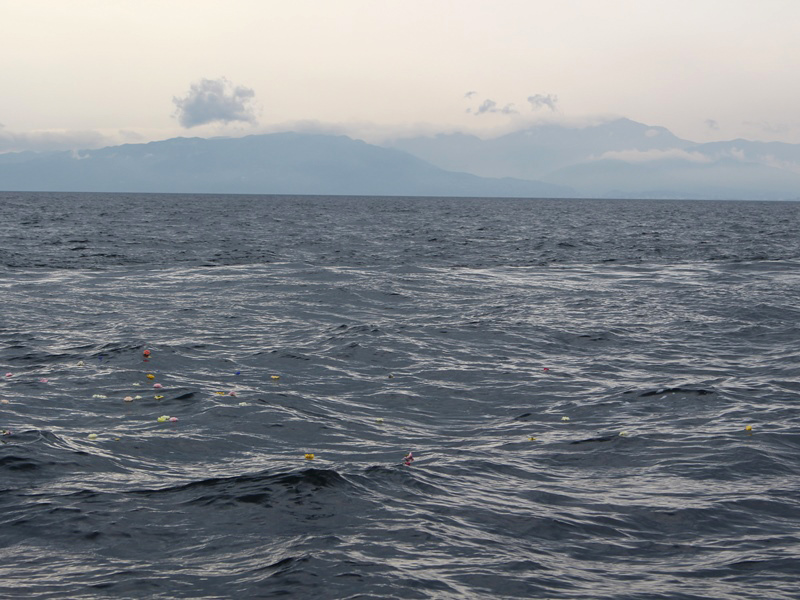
(623, 157)
(728, 179)
(286, 163)
(537, 151)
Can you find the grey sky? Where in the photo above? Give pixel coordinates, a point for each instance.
(97, 71)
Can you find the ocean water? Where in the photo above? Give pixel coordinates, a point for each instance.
(600, 398)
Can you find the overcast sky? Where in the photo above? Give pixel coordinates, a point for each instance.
(85, 73)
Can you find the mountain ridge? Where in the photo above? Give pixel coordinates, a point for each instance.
(279, 163)
(621, 158)
(631, 151)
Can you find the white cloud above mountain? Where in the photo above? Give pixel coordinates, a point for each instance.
(640, 156)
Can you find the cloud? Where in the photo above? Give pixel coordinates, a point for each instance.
(490, 106)
(470, 94)
(50, 139)
(215, 100)
(778, 163)
(712, 124)
(639, 156)
(543, 101)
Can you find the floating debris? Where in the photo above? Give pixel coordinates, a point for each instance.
(309, 456)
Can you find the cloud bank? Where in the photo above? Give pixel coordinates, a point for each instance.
(488, 106)
(215, 101)
(52, 139)
(640, 156)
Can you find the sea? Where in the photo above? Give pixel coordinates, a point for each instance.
(211, 396)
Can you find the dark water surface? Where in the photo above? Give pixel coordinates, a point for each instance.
(574, 379)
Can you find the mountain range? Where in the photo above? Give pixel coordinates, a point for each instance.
(620, 158)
